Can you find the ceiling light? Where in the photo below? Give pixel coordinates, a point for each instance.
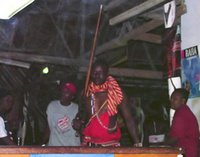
(9, 8)
(45, 70)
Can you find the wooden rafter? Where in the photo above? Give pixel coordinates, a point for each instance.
(14, 63)
(139, 33)
(40, 59)
(64, 61)
(134, 73)
(133, 35)
(135, 11)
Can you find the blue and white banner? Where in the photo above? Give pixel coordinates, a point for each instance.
(191, 70)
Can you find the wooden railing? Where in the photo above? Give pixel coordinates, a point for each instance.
(118, 152)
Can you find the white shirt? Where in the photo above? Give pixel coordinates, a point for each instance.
(59, 119)
(3, 132)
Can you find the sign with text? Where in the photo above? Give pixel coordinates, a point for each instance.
(191, 70)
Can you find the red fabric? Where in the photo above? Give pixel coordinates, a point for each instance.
(185, 128)
(115, 95)
(98, 134)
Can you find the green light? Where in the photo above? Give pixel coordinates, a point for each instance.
(45, 70)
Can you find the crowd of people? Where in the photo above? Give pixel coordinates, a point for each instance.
(94, 121)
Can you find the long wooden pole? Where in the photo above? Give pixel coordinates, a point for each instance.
(93, 50)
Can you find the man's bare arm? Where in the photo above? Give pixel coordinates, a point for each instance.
(130, 122)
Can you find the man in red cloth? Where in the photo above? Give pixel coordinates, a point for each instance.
(184, 131)
(104, 98)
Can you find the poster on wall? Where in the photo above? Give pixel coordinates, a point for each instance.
(191, 70)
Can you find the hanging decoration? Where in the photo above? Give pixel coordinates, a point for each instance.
(169, 13)
(173, 51)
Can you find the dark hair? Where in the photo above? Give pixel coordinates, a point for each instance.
(102, 63)
(183, 92)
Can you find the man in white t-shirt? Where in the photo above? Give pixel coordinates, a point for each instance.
(60, 116)
(6, 104)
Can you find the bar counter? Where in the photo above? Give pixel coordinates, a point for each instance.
(26, 151)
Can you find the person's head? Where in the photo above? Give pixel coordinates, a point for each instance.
(178, 98)
(6, 101)
(99, 72)
(68, 91)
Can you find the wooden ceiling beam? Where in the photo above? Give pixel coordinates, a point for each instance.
(15, 63)
(133, 73)
(138, 33)
(121, 60)
(136, 73)
(63, 61)
(136, 11)
(158, 12)
(149, 37)
(41, 59)
(132, 35)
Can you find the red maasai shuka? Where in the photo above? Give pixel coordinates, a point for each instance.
(95, 133)
(115, 95)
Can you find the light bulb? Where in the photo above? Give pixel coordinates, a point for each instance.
(45, 70)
